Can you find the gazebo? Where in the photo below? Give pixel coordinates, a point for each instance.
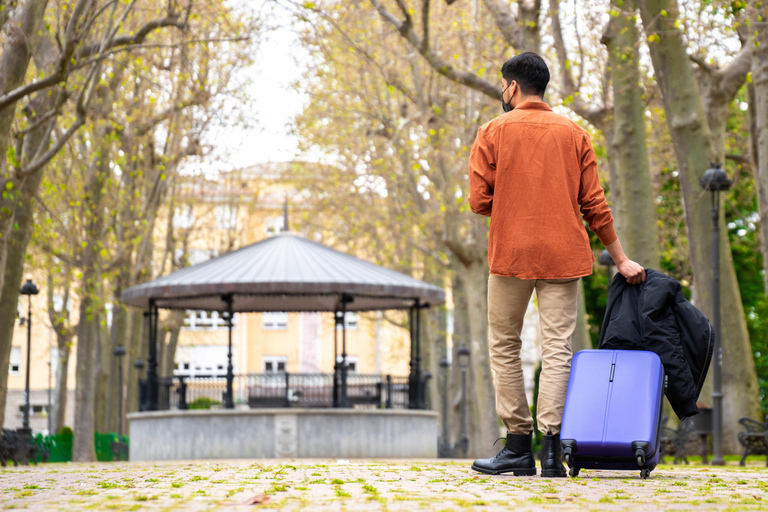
(286, 273)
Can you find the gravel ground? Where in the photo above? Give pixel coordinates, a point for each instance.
(370, 485)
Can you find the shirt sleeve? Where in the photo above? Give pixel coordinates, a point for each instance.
(482, 175)
(592, 201)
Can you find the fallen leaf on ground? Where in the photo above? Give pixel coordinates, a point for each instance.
(259, 499)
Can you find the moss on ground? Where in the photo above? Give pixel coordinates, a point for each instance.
(371, 485)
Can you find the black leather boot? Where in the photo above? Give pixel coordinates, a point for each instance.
(551, 457)
(516, 457)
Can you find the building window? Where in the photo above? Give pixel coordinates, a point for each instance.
(273, 225)
(353, 363)
(15, 366)
(183, 217)
(226, 217)
(274, 320)
(41, 409)
(201, 360)
(351, 321)
(206, 320)
(275, 364)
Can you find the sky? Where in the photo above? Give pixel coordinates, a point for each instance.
(275, 100)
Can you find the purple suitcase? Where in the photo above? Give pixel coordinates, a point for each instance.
(613, 411)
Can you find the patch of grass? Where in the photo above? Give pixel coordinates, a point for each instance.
(107, 485)
(278, 488)
(337, 481)
(177, 485)
(342, 494)
(316, 481)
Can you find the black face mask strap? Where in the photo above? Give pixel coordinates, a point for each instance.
(504, 105)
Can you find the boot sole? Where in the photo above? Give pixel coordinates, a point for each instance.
(553, 473)
(514, 471)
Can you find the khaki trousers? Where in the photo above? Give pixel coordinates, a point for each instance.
(508, 299)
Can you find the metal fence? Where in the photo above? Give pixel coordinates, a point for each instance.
(283, 389)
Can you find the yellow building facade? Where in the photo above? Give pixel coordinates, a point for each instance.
(210, 218)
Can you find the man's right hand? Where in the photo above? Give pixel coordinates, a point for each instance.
(633, 272)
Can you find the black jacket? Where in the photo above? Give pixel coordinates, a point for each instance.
(656, 316)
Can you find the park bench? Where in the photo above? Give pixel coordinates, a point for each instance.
(17, 447)
(689, 438)
(754, 439)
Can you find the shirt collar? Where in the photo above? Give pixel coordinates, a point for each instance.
(533, 105)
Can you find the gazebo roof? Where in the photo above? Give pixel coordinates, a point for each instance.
(286, 272)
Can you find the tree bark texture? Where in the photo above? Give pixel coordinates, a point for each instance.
(758, 108)
(636, 207)
(89, 336)
(13, 66)
(693, 149)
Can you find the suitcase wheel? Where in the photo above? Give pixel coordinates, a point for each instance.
(567, 457)
(574, 472)
(640, 460)
(645, 473)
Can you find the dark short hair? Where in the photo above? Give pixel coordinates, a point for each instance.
(530, 72)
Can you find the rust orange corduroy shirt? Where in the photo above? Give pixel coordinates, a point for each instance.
(534, 173)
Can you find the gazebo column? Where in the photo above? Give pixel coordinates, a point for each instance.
(345, 299)
(229, 395)
(153, 386)
(338, 319)
(415, 377)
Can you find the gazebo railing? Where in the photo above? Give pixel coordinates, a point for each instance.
(283, 389)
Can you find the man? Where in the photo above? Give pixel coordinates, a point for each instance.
(532, 171)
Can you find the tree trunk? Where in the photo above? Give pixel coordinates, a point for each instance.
(758, 108)
(137, 334)
(176, 320)
(470, 293)
(692, 142)
(62, 372)
(83, 449)
(636, 207)
(16, 248)
(581, 339)
(13, 67)
(89, 351)
(483, 420)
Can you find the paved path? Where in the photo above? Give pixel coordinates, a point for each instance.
(370, 485)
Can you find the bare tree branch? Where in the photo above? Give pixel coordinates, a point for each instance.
(139, 37)
(405, 28)
(506, 22)
(63, 67)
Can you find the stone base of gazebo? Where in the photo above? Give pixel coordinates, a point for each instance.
(282, 433)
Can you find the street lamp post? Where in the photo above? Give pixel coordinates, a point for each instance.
(118, 448)
(445, 443)
(715, 181)
(29, 289)
(463, 444)
(139, 365)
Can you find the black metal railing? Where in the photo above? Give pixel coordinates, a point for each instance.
(283, 389)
